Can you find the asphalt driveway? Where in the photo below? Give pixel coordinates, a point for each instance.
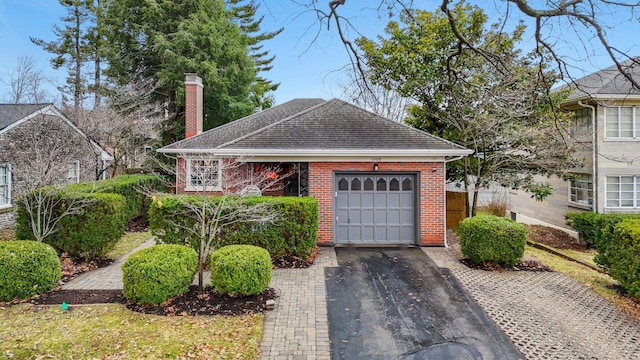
(395, 303)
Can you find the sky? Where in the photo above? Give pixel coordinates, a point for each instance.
(310, 59)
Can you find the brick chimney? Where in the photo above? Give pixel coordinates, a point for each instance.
(193, 105)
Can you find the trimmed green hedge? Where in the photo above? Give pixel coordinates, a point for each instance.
(157, 273)
(129, 186)
(95, 228)
(619, 252)
(294, 233)
(27, 268)
(240, 270)
(492, 239)
(589, 225)
(90, 232)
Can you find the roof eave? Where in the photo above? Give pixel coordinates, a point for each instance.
(322, 152)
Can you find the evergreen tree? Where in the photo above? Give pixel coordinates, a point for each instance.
(159, 41)
(245, 16)
(72, 47)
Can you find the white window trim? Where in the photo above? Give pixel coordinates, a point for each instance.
(635, 113)
(76, 167)
(636, 198)
(579, 204)
(190, 187)
(8, 204)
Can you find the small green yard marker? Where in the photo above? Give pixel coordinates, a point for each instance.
(64, 306)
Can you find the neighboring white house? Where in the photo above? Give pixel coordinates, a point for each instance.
(607, 118)
(37, 140)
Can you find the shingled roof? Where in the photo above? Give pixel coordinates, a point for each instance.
(11, 113)
(607, 82)
(315, 125)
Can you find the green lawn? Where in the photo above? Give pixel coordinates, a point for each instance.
(114, 332)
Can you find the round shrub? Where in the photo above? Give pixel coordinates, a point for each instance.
(492, 239)
(27, 268)
(157, 273)
(240, 270)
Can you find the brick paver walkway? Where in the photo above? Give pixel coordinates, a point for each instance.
(106, 278)
(546, 315)
(298, 327)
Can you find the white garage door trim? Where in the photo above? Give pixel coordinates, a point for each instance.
(375, 208)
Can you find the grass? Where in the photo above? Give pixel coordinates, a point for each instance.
(113, 332)
(602, 284)
(127, 243)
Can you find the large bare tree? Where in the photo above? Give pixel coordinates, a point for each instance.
(26, 84)
(571, 31)
(128, 122)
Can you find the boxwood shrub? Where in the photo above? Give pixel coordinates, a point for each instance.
(240, 270)
(88, 233)
(293, 233)
(492, 239)
(157, 273)
(619, 252)
(94, 229)
(27, 268)
(129, 186)
(590, 225)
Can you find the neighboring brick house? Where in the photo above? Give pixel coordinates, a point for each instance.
(38, 142)
(377, 182)
(607, 118)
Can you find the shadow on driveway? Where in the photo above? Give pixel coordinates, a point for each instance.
(395, 303)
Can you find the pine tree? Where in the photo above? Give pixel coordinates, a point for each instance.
(245, 15)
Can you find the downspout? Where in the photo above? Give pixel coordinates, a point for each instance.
(594, 154)
(446, 244)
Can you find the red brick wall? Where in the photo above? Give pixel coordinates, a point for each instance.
(193, 107)
(431, 195)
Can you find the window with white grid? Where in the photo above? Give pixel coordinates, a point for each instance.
(623, 191)
(5, 184)
(581, 190)
(203, 174)
(621, 122)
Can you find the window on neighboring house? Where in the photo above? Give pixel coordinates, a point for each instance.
(622, 122)
(203, 174)
(583, 122)
(5, 185)
(623, 191)
(581, 189)
(73, 175)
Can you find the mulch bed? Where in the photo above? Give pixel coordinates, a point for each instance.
(79, 297)
(554, 238)
(208, 302)
(194, 302)
(524, 265)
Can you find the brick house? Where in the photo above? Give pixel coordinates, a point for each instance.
(377, 182)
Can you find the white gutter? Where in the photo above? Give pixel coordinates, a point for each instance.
(320, 152)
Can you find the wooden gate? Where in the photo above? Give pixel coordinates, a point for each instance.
(456, 208)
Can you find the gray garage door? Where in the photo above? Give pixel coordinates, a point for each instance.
(375, 209)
